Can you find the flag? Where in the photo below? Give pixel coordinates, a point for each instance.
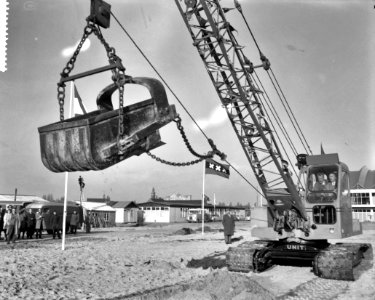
(78, 106)
(215, 168)
(206, 198)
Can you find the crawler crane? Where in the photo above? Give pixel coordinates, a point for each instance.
(303, 219)
(304, 215)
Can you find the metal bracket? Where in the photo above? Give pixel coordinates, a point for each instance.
(100, 13)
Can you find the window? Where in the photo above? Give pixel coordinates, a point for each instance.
(324, 214)
(345, 184)
(153, 208)
(322, 184)
(360, 198)
(362, 214)
(106, 217)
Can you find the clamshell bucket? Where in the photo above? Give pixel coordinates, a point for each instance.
(92, 141)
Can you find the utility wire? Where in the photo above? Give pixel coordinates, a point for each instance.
(160, 76)
(238, 6)
(170, 89)
(238, 172)
(282, 93)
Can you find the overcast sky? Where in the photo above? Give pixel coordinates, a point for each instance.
(320, 51)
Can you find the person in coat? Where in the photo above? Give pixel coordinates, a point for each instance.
(74, 220)
(10, 224)
(23, 224)
(30, 223)
(55, 224)
(2, 214)
(229, 224)
(39, 223)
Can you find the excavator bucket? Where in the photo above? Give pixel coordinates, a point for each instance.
(92, 141)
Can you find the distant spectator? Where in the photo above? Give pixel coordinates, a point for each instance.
(30, 220)
(229, 224)
(55, 223)
(18, 223)
(10, 221)
(23, 224)
(74, 220)
(2, 213)
(39, 223)
(88, 222)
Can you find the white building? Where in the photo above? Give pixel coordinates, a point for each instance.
(362, 192)
(175, 211)
(126, 212)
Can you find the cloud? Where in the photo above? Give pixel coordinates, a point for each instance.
(70, 50)
(217, 117)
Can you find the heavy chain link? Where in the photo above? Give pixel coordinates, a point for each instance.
(111, 54)
(201, 157)
(175, 164)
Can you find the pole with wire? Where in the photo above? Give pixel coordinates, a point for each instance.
(81, 186)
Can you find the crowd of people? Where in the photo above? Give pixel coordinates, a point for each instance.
(24, 223)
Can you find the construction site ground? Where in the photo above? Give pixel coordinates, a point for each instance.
(161, 261)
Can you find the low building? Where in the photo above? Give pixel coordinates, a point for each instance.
(362, 192)
(126, 212)
(102, 215)
(19, 200)
(175, 211)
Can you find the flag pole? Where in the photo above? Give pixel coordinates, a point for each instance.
(66, 174)
(203, 193)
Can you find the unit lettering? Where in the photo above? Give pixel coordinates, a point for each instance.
(296, 247)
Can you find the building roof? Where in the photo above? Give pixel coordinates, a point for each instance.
(95, 206)
(362, 179)
(21, 198)
(174, 203)
(185, 204)
(124, 204)
(97, 200)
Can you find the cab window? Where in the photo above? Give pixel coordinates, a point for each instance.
(324, 214)
(345, 184)
(322, 184)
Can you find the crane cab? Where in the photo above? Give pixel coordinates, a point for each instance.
(327, 197)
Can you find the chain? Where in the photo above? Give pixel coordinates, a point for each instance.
(69, 67)
(121, 88)
(175, 164)
(201, 157)
(210, 154)
(118, 73)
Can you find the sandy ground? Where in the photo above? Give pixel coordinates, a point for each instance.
(159, 262)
